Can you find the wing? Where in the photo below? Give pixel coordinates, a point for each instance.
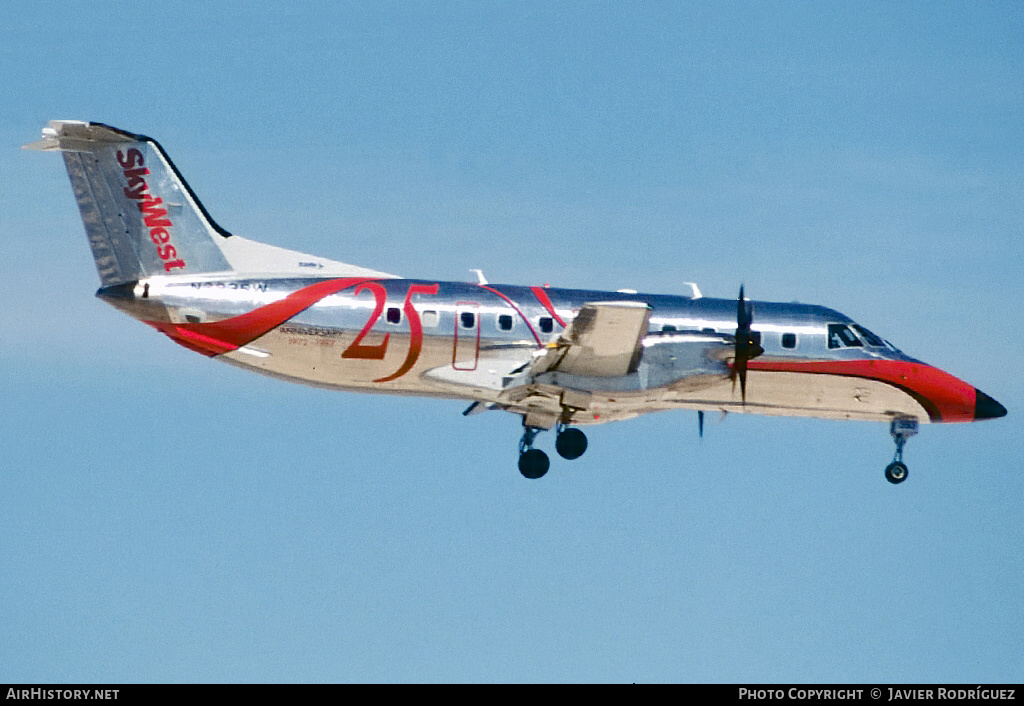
(604, 340)
(605, 365)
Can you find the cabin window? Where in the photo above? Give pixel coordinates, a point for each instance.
(708, 330)
(547, 324)
(505, 322)
(467, 319)
(668, 328)
(429, 318)
(394, 315)
(840, 336)
(870, 338)
(789, 340)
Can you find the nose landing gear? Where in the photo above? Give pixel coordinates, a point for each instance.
(901, 430)
(896, 472)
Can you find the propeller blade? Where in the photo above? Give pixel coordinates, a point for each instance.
(747, 346)
(743, 312)
(700, 423)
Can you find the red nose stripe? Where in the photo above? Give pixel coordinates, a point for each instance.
(947, 399)
(230, 334)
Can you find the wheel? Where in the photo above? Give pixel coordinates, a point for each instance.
(533, 463)
(896, 472)
(571, 443)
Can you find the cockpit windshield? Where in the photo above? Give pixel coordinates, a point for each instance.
(869, 338)
(840, 336)
(846, 336)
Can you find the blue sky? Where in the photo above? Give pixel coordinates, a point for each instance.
(167, 518)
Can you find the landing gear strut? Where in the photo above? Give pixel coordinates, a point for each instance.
(901, 430)
(533, 463)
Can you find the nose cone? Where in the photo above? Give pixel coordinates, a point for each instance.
(987, 408)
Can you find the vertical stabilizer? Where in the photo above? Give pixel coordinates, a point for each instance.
(141, 217)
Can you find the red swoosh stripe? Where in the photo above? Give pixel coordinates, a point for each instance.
(513, 305)
(545, 301)
(947, 398)
(231, 334)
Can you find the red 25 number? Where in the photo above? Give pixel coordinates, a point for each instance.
(376, 352)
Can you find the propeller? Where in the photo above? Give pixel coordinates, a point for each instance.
(748, 344)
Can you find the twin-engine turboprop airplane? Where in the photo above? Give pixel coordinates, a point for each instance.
(558, 358)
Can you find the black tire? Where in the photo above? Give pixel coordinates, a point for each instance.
(533, 463)
(571, 444)
(896, 472)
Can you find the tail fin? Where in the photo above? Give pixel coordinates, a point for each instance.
(142, 218)
(140, 215)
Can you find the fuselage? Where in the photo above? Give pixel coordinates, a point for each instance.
(470, 341)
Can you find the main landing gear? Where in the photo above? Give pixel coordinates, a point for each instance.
(901, 430)
(533, 463)
(570, 443)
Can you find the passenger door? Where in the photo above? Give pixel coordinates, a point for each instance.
(466, 349)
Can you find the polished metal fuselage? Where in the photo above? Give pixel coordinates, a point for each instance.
(474, 342)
